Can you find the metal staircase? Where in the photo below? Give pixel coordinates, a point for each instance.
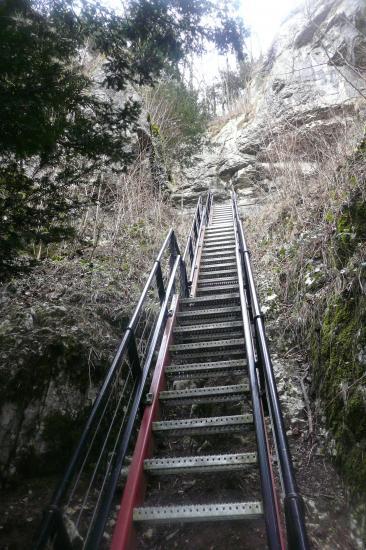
(204, 419)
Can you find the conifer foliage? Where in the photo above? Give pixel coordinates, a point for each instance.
(56, 128)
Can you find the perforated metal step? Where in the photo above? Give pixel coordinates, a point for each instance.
(218, 225)
(208, 251)
(198, 315)
(214, 394)
(199, 512)
(214, 233)
(221, 259)
(219, 254)
(207, 273)
(200, 464)
(226, 279)
(212, 336)
(218, 344)
(206, 355)
(208, 245)
(221, 300)
(227, 325)
(216, 289)
(207, 370)
(220, 237)
(203, 426)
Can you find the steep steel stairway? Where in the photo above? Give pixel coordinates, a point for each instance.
(203, 435)
(210, 465)
(208, 347)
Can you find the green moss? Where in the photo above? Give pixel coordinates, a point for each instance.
(340, 382)
(350, 230)
(155, 130)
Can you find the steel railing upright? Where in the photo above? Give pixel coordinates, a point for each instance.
(201, 219)
(292, 502)
(94, 470)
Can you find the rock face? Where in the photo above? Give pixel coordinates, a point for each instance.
(312, 82)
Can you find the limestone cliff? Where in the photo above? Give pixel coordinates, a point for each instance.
(310, 85)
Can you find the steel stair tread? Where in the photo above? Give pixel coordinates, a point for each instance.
(207, 326)
(218, 233)
(223, 272)
(203, 426)
(218, 267)
(209, 312)
(218, 243)
(218, 238)
(216, 280)
(209, 368)
(224, 261)
(211, 249)
(200, 464)
(199, 512)
(207, 394)
(215, 288)
(208, 336)
(227, 343)
(221, 297)
(225, 225)
(209, 354)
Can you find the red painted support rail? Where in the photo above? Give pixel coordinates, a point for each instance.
(124, 537)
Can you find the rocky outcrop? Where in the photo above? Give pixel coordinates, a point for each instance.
(310, 86)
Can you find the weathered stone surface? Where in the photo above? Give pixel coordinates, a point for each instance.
(231, 163)
(309, 88)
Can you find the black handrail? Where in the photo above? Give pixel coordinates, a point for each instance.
(53, 526)
(293, 506)
(268, 492)
(102, 515)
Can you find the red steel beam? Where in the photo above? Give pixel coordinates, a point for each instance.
(124, 536)
(279, 512)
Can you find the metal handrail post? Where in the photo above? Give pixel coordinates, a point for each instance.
(194, 262)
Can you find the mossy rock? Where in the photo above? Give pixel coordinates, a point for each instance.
(339, 379)
(350, 231)
(60, 435)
